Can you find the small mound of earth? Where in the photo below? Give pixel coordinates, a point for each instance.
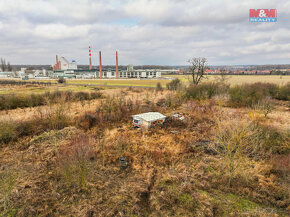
(54, 136)
(44, 147)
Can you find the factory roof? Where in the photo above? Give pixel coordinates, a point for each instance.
(150, 116)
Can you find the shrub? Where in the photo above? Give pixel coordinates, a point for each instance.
(95, 95)
(265, 106)
(26, 128)
(284, 92)
(174, 84)
(159, 87)
(173, 100)
(116, 108)
(7, 131)
(74, 160)
(88, 121)
(82, 95)
(266, 140)
(61, 81)
(205, 90)
(251, 94)
(57, 118)
(230, 142)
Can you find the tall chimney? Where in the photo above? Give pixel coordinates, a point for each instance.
(90, 58)
(100, 55)
(117, 72)
(57, 64)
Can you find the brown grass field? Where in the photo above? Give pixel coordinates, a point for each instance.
(231, 79)
(106, 83)
(63, 158)
(243, 79)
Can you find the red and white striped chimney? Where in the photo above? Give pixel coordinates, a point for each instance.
(90, 58)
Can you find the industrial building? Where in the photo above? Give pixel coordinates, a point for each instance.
(7, 74)
(63, 68)
(64, 64)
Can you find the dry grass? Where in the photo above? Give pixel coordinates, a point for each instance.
(243, 79)
(172, 171)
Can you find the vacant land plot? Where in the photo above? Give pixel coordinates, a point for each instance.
(64, 159)
(122, 82)
(231, 79)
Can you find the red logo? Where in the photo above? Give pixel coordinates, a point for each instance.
(263, 13)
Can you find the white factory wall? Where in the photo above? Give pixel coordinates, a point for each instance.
(65, 64)
(73, 65)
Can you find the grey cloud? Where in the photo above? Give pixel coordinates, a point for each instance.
(166, 32)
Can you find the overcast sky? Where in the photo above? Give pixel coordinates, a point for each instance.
(159, 32)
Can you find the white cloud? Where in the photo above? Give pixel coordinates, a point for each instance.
(61, 31)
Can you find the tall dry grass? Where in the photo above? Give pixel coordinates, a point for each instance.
(22, 101)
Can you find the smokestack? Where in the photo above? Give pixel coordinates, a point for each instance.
(90, 58)
(100, 55)
(117, 72)
(57, 64)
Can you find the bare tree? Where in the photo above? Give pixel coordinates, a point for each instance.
(9, 67)
(3, 65)
(197, 69)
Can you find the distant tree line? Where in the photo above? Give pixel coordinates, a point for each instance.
(5, 67)
(252, 67)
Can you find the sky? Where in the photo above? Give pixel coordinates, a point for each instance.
(145, 32)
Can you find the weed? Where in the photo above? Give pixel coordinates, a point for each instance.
(74, 160)
(231, 140)
(7, 131)
(159, 87)
(284, 92)
(251, 94)
(7, 183)
(174, 84)
(265, 106)
(88, 120)
(205, 90)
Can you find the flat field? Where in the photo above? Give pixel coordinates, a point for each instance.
(232, 79)
(242, 79)
(89, 85)
(76, 84)
(122, 82)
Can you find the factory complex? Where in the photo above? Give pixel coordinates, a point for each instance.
(66, 69)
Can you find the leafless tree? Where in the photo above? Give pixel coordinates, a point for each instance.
(197, 68)
(3, 64)
(9, 67)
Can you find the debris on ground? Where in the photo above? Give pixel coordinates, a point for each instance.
(148, 119)
(179, 116)
(123, 163)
